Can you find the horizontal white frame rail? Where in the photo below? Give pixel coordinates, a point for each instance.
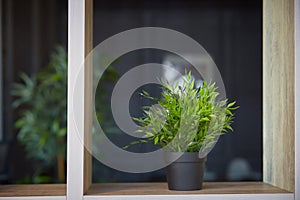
(287, 196)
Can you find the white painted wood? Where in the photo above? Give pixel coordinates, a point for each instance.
(75, 149)
(35, 198)
(287, 196)
(297, 99)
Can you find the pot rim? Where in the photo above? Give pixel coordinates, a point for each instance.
(183, 157)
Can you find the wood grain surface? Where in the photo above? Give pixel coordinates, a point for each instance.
(88, 89)
(33, 190)
(162, 189)
(278, 93)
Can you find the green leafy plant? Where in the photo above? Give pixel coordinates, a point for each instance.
(194, 118)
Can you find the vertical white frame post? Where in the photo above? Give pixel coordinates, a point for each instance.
(297, 99)
(76, 51)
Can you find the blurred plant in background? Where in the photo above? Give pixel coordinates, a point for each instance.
(41, 100)
(42, 122)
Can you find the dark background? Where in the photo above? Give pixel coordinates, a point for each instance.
(30, 31)
(230, 31)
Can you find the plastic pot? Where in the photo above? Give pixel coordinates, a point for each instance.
(186, 173)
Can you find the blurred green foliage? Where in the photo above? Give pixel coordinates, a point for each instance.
(41, 102)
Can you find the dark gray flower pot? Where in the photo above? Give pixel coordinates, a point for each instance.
(186, 173)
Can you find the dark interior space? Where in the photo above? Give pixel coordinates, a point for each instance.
(230, 31)
(31, 30)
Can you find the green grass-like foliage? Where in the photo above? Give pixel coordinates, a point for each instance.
(193, 117)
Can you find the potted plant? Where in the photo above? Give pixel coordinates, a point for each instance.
(194, 119)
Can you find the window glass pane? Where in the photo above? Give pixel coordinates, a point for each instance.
(34, 35)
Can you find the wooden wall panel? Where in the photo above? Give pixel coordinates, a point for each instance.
(297, 99)
(88, 84)
(278, 93)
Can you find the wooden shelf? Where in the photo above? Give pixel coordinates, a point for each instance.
(116, 189)
(33, 190)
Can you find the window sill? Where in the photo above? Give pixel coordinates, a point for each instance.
(211, 190)
(33, 190)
